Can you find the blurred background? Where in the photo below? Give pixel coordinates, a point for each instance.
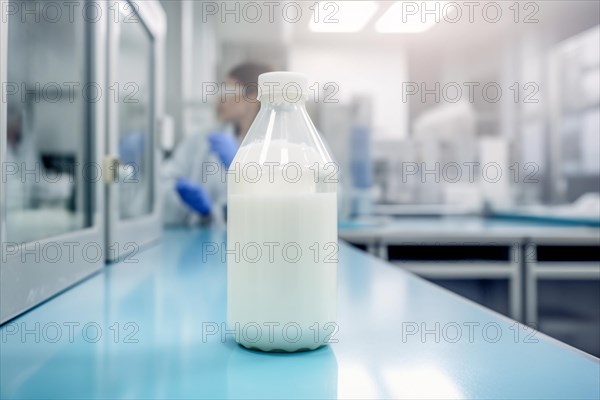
(491, 111)
(467, 134)
(522, 94)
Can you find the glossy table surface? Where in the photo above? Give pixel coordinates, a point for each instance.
(135, 330)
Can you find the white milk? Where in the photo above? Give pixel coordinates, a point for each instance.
(280, 299)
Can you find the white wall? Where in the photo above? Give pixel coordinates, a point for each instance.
(376, 72)
(192, 52)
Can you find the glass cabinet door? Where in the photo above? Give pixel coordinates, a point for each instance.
(52, 233)
(134, 70)
(133, 85)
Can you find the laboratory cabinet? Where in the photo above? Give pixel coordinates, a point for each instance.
(545, 274)
(75, 185)
(485, 271)
(562, 285)
(136, 34)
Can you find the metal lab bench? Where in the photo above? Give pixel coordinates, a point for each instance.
(399, 337)
(516, 236)
(562, 287)
(573, 269)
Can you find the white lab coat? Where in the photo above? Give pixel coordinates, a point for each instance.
(194, 161)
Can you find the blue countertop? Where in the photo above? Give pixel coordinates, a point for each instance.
(135, 330)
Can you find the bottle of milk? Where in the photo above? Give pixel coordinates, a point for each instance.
(282, 226)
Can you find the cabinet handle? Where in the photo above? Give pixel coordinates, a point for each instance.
(110, 169)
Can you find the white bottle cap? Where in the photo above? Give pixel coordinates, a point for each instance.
(289, 86)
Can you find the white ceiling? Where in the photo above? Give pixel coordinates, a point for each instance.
(280, 32)
(262, 31)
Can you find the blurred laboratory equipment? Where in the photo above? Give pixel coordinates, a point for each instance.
(446, 135)
(436, 169)
(494, 156)
(46, 193)
(167, 137)
(282, 191)
(335, 123)
(361, 193)
(348, 130)
(389, 156)
(575, 103)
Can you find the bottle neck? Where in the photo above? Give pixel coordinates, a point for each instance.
(283, 100)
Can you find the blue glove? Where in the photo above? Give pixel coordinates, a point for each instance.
(224, 146)
(194, 196)
(131, 148)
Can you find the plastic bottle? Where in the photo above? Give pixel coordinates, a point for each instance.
(282, 226)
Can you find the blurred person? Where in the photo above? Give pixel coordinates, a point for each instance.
(192, 193)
